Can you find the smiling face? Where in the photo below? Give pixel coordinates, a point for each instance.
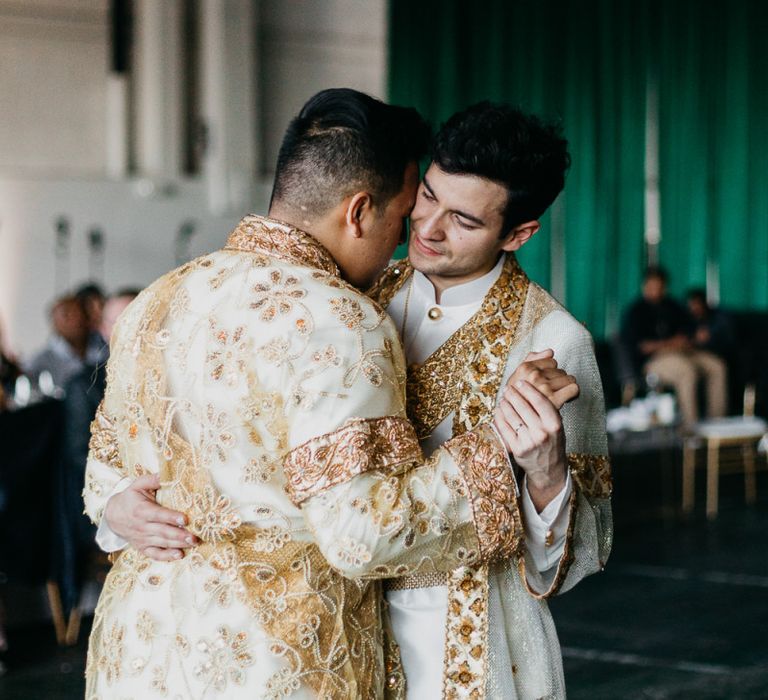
(456, 227)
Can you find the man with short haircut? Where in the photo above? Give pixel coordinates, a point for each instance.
(67, 350)
(259, 393)
(659, 335)
(475, 331)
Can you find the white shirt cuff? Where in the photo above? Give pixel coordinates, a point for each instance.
(106, 538)
(546, 531)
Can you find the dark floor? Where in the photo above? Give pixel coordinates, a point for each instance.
(680, 612)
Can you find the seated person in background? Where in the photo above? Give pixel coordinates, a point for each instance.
(713, 330)
(64, 354)
(83, 393)
(657, 331)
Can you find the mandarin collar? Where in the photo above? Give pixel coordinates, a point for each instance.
(461, 294)
(260, 234)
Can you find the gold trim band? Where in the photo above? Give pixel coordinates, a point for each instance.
(415, 581)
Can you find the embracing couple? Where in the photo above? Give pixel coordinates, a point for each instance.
(316, 491)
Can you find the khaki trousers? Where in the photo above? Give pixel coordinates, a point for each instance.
(682, 370)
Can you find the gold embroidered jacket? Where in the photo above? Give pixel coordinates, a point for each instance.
(269, 397)
(500, 641)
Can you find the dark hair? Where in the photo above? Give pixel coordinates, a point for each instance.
(517, 150)
(344, 141)
(697, 293)
(132, 292)
(655, 272)
(89, 289)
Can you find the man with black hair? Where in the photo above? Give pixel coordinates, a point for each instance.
(476, 331)
(658, 333)
(260, 395)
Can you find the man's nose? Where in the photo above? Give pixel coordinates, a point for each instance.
(432, 227)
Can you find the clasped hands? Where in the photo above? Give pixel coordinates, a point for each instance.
(528, 419)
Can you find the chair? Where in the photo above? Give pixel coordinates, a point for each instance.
(743, 432)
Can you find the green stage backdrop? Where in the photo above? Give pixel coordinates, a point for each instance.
(588, 63)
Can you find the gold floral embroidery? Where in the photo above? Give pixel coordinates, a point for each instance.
(217, 436)
(358, 446)
(349, 312)
(258, 234)
(260, 470)
(592, 473)
(224, 659)
(466, 634)
(103, 444)
(111, 657)
(484, 463)
(212, 517)
(353, 552)
(227, 360)
(464, 374)
(146, 627)
(277, 297)
(389, 282)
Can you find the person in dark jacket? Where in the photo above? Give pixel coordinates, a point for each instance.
(660, 335)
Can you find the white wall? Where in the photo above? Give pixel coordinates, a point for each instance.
(53, 159)
(53, 67)
(140, 239)
(308, 45)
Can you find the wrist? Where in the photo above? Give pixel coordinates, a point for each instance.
(543, 487)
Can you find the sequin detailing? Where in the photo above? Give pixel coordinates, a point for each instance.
(485, 465)
(356, 447)
(257, 234)
(464, 374)
(592, 473)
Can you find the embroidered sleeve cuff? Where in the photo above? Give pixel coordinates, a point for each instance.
(592, 473)
(358, 446)
(591, 476)
(482, 459)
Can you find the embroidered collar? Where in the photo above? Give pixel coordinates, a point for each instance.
(259, 234)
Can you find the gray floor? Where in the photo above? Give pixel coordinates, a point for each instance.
(680, 612)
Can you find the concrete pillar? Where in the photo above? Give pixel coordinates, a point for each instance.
(158, 88)
(228, 97)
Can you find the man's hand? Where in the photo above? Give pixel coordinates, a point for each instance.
(148, 527)
(533, 430)
(540, 370)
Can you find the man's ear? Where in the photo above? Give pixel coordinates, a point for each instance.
(520, 235)
(359, 207)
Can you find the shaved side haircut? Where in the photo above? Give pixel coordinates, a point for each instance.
(342, 142)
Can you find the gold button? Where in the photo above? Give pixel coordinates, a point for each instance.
(549, 538)
(435, 314)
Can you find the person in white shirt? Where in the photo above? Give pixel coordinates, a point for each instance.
(474, 328)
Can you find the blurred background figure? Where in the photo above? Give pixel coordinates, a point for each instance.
(712, 328)
(92, 299)
(67, 350)
(9, 371)
(83, 393)
(659, 335)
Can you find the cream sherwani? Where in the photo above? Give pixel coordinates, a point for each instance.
(269, 397)
(487, 632)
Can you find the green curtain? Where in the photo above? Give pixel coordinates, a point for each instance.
(713, 82)
(588, 63)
